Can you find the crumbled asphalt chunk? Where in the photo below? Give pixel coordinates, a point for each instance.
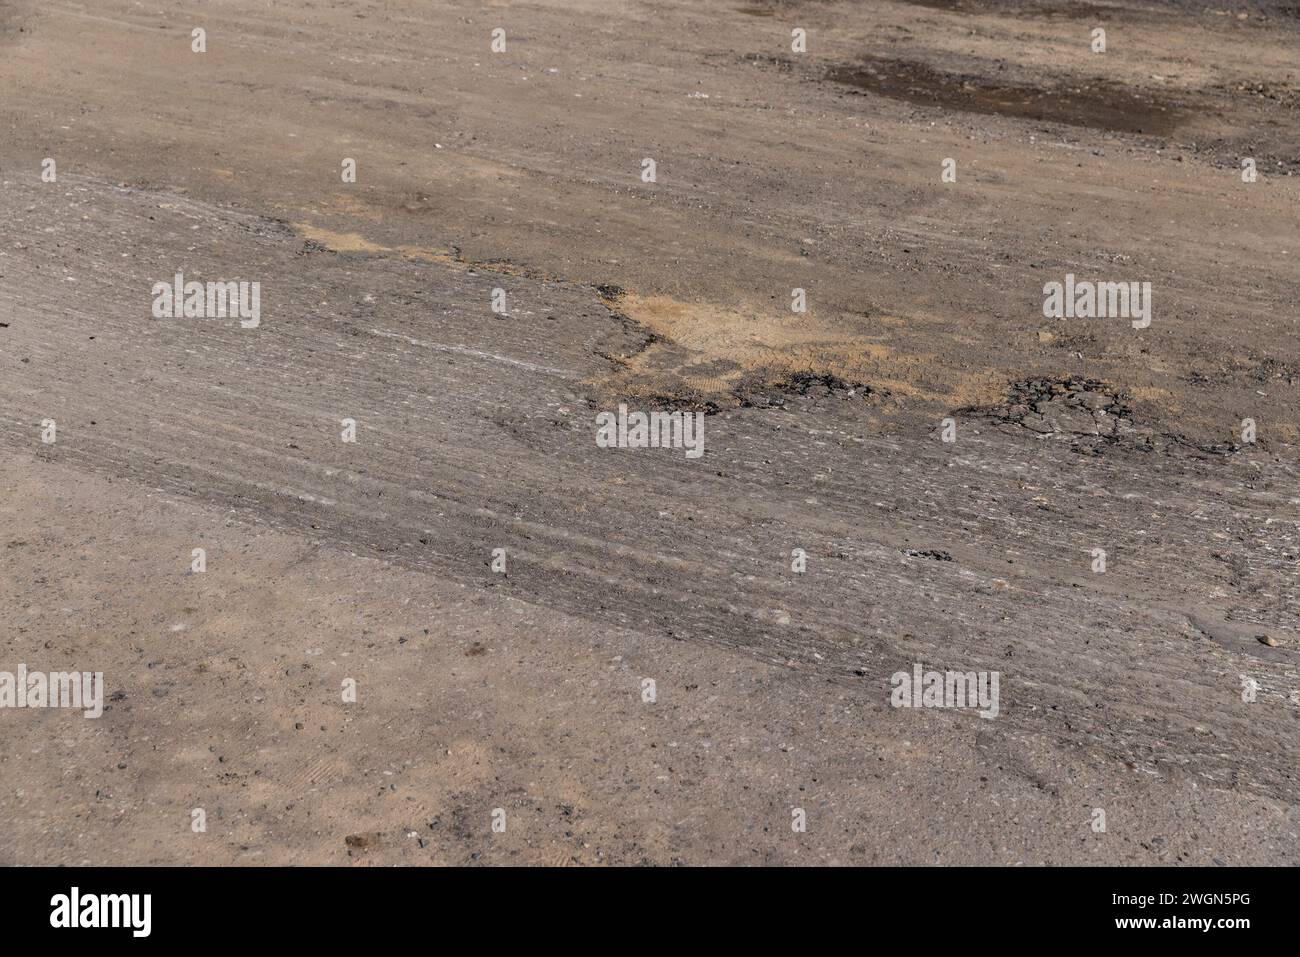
(934, 554)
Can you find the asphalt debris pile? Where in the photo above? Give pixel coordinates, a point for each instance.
(1072, 406)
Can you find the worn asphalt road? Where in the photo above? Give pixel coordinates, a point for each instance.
(1162, 690)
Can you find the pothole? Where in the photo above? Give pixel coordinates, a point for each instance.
(773, 393)
(708, 356)
(1088, 412)
(1083, 410)
(1073, 405)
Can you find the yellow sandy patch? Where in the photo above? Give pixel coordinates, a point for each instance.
(759, 344)
(1151, 394)
(980, 389)
(340, 242)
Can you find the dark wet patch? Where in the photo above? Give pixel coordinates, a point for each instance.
(1006, 8)
(1096, 103)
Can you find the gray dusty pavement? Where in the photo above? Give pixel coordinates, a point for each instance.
(371, 561)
